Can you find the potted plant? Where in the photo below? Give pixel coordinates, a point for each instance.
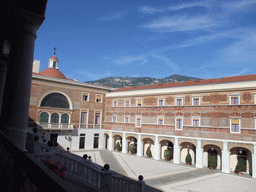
(188, 159)
(239, 167)
(148, 152)
(212, 162)
(132, 148)
(167, 154)
(118, 148)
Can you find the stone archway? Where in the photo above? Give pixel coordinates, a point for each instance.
(243, 153)
(212, 150)
(148, 142)
(131, 140)
(106, 138)
(188, 147)
(166, 144)
(117, 138)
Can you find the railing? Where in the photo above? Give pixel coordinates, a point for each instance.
(90, 174)
(20, 171)
(91, 126)
(55, 126)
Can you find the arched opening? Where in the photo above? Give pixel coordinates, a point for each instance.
(245, 155)
(55, 100)
(44, 117)
(209, 151)
(148, 144)
(64, 120)
(166, 144)
(187, 147)
(117, 142)
(132, 141)
(55, 120)
(106, 140)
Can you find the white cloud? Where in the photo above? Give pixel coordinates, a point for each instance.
(142, 59)
(151, 10)
(113, 16)
(181, 23)
(165, 60)
(125, 60)
(93, 75)
(244, 71)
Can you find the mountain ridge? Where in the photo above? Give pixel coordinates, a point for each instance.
(117, 82)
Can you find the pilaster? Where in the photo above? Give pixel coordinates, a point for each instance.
(157, 148)
(199, 154)
(176, 155)
(225, 158)
(124, 142)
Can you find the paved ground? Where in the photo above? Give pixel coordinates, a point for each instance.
(167, 176)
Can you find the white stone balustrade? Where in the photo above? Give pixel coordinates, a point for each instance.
(86, 172)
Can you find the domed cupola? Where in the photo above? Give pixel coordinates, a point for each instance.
(53, 69)
(53, 62)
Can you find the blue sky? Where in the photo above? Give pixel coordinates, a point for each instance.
(145, 38)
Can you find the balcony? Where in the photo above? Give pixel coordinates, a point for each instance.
(56, 126)
(91, 126)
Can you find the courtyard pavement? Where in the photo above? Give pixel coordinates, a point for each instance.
(167, 176)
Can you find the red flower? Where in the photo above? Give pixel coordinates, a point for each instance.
(43, 161)
(48, 162)
(57, 163)
(61, 174)
(64, 168)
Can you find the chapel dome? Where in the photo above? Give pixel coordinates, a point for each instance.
(52, 72)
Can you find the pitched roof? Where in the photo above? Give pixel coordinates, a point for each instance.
(191, 83)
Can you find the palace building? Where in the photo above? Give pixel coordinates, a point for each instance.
(66, 111)
(201, 117)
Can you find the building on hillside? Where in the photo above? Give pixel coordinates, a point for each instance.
(201, 117)
(64, 110)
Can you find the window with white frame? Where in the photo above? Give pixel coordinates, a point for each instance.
(179, 101)
(115, 103)
(114, 119)
(160, 102)
(138, 121)
(234, 99)
(85, 97)
(235, 126)
(127, 103)
(127, 119)
(139, 102)
(179, 123)
(98, 98)
(160, 120)
(196, 101)
(196, 122)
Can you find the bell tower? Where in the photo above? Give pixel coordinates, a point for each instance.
(53, 61)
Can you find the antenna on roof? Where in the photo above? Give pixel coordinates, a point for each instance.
(54, 50)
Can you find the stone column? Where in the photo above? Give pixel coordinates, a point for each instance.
(199, 154)
(110, 141)
(225, 158)
(254, 161)
(3, 70)
(125, 143)
(139, 146)
(23, 26)
(176, 155)
(157, 148)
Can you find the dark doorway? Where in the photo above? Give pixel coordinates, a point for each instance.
(96, 141)
(54, 137)
(82, 141)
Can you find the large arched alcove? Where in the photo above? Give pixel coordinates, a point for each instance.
(55, 100)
